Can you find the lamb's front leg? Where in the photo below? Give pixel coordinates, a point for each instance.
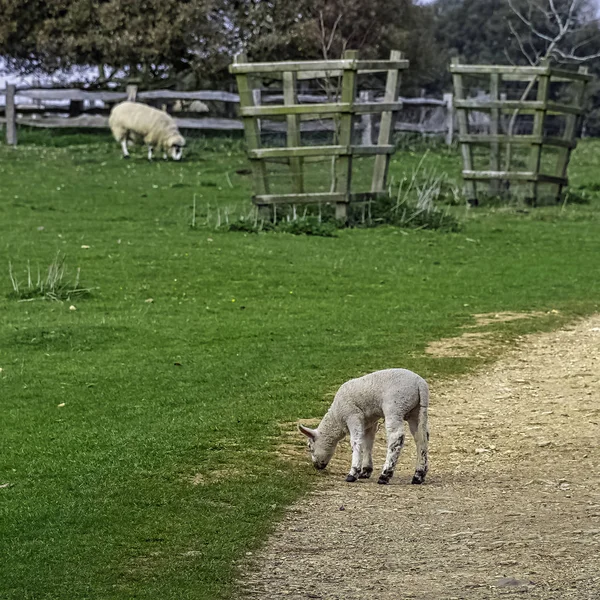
(149, 152)
(367, 456)
(395, 443)
(124, 147)
(357, 438)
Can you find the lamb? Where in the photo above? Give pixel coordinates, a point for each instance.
(132, 120)
(394, 394)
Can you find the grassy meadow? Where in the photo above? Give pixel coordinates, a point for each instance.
(140, 422)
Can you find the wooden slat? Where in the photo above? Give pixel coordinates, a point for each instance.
(463, 129)
(494, 129)
(386, 126)
(500, 69)
(526, 176)
(520, 105)
(293, 131)
(521, 140)
(338, 150)
(252, 132)
(11, 116)
(535, 155)
(570, 132)
(372, 66)
(343, 168)
(321, 109)
(312, 198)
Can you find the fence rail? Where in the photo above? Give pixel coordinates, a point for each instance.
(48, 108)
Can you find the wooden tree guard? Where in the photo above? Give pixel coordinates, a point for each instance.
(540, 77)
(343, 112)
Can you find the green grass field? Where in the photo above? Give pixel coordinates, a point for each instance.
(140, 424)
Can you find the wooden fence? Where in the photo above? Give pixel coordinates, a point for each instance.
(548, 131)
(426, 116)
(340, 78)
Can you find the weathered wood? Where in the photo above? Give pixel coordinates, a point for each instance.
(526, 176)
(314, 198)
(343, 168)
(450, 116)
(107, 96)
(505, 70)
(307, 151)
(346, 64)
(365, 97)
(523, 140)
(293, 131)
(306, 198)
(523, 106)
(570, 131)
(259, 173)
(386, 126)
(322, 109)
(538, 131)
(11, 115)
(494, 187)
(132, 92)
(462, 119)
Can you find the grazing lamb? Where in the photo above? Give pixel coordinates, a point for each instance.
(133, 121)
(394, 394)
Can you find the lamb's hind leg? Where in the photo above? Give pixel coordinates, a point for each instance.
(417, 421)
(395, 442)
(367, 457)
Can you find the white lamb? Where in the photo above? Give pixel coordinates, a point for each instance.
(394, 394)
(133, 121)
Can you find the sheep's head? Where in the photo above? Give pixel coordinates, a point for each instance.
(321, 449)
(176, 144)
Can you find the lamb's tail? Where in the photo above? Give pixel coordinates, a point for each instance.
(423, 393)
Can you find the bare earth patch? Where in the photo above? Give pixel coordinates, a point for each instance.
(511, 505)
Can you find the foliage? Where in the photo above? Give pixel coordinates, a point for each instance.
(150, 40)
(141, 434)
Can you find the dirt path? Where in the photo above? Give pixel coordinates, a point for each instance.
(511, 505)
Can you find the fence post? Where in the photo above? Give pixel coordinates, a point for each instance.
(345, 138)
(366, 120)
(494, 185)
(386, 126)
(257, 98)
(448, 99)
(132, 91)
(11, 115)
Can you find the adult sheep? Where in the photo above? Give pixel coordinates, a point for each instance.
(134, 121)
(394, 394)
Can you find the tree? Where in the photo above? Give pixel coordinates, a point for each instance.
(317, 29)
(146, 38)
(565, 30)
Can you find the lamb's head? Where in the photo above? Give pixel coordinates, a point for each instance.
(320, 446)
(175, 145)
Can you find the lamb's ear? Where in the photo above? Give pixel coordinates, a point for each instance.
(309, 433)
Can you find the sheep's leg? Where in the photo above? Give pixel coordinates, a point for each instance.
(395, 443)
(357, 436)
(149, 152)
(124, 147)
(417, 421)
(367, 457)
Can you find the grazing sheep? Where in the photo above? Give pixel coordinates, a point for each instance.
(394, 394)
(134, 121)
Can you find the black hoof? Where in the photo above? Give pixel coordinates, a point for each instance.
(419, 477)
(125, 156)
(365, 474)
(350, 478)
(383, 481)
